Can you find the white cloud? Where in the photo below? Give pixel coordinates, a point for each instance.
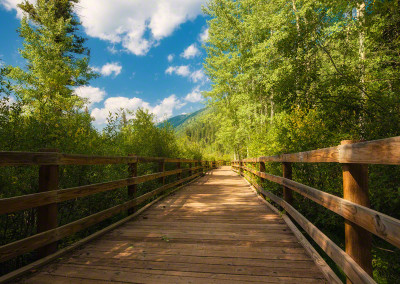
(12, 4)
(162, 110)
(195, 96)
(182, 70)
(198, 75)
(170, 57)
(191, 51)
(204, 35)
(109, 69)
(137, 25)
(91, 94)
(127, 21)
(165, 109)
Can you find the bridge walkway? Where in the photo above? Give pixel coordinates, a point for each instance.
(215, 230)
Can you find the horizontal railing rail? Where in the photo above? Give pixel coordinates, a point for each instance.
(49, 195)
(359, 217)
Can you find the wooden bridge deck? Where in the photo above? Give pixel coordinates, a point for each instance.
(215, 230)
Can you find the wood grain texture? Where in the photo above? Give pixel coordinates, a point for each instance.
(316, 257)
(47, 214)
(49, 158)
(19, 247)
(343, 260)
(159, 248)
(383, 151)
(13, 204)
(382, 225)
(43, 261)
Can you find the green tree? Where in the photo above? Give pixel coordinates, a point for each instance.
(57, 60)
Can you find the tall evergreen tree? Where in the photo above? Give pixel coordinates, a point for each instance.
(56, 58)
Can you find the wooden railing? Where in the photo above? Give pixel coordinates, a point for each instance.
(360, 220)
(49, 195)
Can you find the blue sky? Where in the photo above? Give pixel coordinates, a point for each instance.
(149, 53)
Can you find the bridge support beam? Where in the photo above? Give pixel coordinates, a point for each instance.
(358, 241)
(287, 173)
(132, 172)
(47, 214)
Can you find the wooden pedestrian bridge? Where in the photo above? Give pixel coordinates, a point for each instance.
(209, 225)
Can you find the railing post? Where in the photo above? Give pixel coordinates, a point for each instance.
(47, 214)
(161, 168)
(262, 168)
(191, 166)
(287, 173)
(240, 169)
(358, 241)
(178, 166)
(132, 172)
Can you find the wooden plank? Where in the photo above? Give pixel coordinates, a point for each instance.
(343, 260)
(143, 258)
(47, 214)
(109, 263)
(382, 151)
(358, 241)
(23, 270)
(16, 248)
(168, 277)
(28, 158)
(10, 158)
(382, 225)
(194, 251)
(13, 204)
(315, 256)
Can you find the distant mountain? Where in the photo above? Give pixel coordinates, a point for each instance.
(179, 120)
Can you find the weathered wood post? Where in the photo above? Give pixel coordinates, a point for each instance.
(287, 173)
(132, 172)
(47, 214)
(178, 166)
(358, 241)
(190, 166)
(262, 168)
(240, 167)
(161, 169)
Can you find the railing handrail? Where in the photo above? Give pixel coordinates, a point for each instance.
(50, 194)
(383, 151)
(354, 207)
(17, 158)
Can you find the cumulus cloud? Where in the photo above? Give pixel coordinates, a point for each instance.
(198, 76)
(204, 35)
(109, 68)
(12, 4)
(170, 57)
(184, 71)
(137, 25)
(195, 96)
(91, 94)
(162, 110)
(191, 51)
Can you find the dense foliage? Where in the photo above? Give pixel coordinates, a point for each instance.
(39, 110)
(291, 76)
